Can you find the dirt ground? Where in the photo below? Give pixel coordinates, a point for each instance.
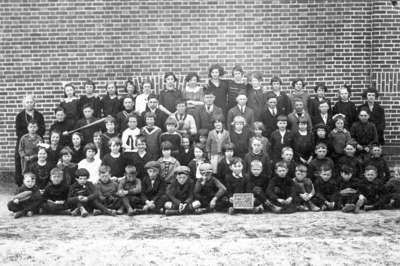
(329, 238)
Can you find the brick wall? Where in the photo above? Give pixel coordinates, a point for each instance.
(47, 42)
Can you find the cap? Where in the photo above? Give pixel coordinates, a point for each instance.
(152, 164)
(182, 169)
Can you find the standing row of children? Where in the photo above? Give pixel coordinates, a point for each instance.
(231, 136)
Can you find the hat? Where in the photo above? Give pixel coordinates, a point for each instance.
(152, 164)
(320, 126)
(205, 167)
(182, 169)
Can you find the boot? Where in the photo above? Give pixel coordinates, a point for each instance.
(272, 207)
(258, 209)
(19, 214)
(348, 207)
(171, 212)
(96, 212)
(75, 212)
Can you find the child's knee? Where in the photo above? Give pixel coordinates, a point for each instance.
(168, 205)
(196, 204)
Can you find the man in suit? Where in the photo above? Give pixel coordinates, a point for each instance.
(323, 116)
(208, 111)
(153, 107)
(240, 110)
(268, 117)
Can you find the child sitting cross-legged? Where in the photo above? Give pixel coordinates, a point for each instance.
(83, 195)
(393, 190)
(280, 189)
(325, 189)
(348, 190)
(372, 190)
(107, 190)
(55, 195)
(27, 200)
(208, 191)
(237, 182)
(129, 190)
(259, 183)
(180, 193)
(303, 190)
(153, 188)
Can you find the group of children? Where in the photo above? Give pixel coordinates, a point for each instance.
(190, 151)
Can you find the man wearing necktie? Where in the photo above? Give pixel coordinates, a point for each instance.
(242, 110)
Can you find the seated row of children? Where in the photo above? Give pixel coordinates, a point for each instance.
(285, 191)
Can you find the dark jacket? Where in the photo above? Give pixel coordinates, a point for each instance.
(87, 190)
(94, 101)
(21, 124)
(152, 192)
(364, 133)
(56, 192)
(280, 188)
(325, 190)
(210, 189)
(372, 190)
(237, 185)
(178, 193)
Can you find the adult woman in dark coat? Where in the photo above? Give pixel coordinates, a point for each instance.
(21, 123)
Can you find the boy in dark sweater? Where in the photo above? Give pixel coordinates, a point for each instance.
(27, 199)
(393, 189)
(376, 159)
(320, 160)
(257, 153)
(259, 183)
(364, 132)
(280, 189)
(372, 190)
(303, 190)
(326, 191)
(209, 191)
(88, 117)
(348, 189)
(237, 182)
(107, 190)
(129, 190)
(350, 159)
(180, 193)
(55, 195)
(83, 195)
(153, 188)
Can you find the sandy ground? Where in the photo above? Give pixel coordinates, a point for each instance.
(330, 238)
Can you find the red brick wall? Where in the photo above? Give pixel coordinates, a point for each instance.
(46, 43)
